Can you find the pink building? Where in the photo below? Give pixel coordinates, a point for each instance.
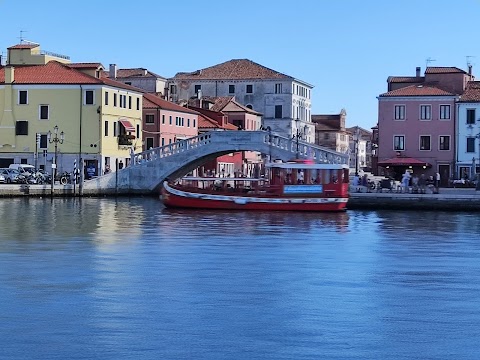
(165, 122)
(416, 122)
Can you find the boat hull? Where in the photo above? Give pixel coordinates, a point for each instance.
(175, 198)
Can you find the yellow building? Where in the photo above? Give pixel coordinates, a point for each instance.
(101, 119)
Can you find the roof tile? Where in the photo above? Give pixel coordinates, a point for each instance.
(233, 69)
(417, 90)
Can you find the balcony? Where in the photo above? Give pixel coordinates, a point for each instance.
(125, 139)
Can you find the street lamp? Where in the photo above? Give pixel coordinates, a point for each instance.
(356, 138)
(55, 139)
(299, 135)
(477, 184)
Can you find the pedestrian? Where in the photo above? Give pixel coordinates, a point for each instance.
(437, 182)
(422, 183)
(405, 181)
(120, 164)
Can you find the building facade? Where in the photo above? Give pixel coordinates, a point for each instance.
(330, 131)
(468, 130)
(280, 98)
(416, 122)
(100, 118)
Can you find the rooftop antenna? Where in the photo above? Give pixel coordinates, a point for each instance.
(468, 60)
(22, 39)
(428, 61)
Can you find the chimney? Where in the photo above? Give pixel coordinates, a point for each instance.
(9, 75)
(470, 70)
(112, 73)
(165, 92)
(418, 69)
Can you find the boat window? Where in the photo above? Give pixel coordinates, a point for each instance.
(346, 177)
(326, 176)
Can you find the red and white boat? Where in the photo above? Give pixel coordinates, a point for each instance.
(292, 186)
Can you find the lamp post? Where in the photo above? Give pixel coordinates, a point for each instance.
(356, 138)
(56, 140)
(298, 135)
(477, 184)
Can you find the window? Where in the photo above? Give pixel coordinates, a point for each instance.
(43, 141)
(128, 83)
(444, 143)
(425, 112)
(138, 130)
(470, 145)
(129, 102)
(163, 119)
(326, 136)
(399, 142)
(399, 112)
(173, 89)
(148, 143)
(278, 111)
(115, 125)
(188, 122)
(444, 112)
(170, 118)
(231, 89)
(278, 88)
(44, 112)
(23, 97)
(21, 128)
(106, 97)
(138, 103)
(249, 89)
(425, 142)
(149, 119)
(470, 116)
(115, 100)
(106, 128)
(194, 123)
(89, 97)
(250, 106)
(198, 88)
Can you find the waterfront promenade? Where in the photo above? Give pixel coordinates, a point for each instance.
(453, 199)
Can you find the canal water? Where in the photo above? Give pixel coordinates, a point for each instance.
(128, 279)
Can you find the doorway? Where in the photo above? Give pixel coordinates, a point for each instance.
(444, 171)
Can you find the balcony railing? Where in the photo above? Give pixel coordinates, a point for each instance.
(125, 139)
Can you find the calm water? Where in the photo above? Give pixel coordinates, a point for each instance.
(128, 279)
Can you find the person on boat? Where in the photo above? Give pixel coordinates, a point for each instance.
(301, 178)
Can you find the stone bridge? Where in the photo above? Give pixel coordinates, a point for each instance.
(148, 169)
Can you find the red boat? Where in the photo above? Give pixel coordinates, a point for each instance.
(292, 186)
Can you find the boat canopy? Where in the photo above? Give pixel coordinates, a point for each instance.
(296, 165)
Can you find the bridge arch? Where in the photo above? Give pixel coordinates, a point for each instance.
(149, 168)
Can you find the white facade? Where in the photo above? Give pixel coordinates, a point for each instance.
(468, 139)
(281, 101)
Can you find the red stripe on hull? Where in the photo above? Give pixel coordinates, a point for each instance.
(172, 200)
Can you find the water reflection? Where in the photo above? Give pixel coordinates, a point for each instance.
(127, 278)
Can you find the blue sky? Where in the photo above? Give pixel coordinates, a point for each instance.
(345, 48)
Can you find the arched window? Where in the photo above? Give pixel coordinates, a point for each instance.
(249, 106)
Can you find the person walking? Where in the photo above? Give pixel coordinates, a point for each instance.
(437, 182)
(422, 184)
(405, 181)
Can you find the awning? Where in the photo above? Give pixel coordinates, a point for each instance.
(403, 161)
(127, 125)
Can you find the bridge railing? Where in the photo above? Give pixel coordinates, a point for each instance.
(274, 140)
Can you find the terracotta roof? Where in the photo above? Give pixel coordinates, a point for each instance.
(443, 70)
(51, 73)
(85, 65)
(54, 72)
(329, 122)
(220, 102)
(24, 46)
(211, 119)
(233, 69)
(133, 73)
(405, 79)
(471, 93)
(151, 101)
(418, 90)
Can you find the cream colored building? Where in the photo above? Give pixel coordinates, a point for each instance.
(101, 119)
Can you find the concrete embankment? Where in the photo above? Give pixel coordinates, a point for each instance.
(446, 200)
